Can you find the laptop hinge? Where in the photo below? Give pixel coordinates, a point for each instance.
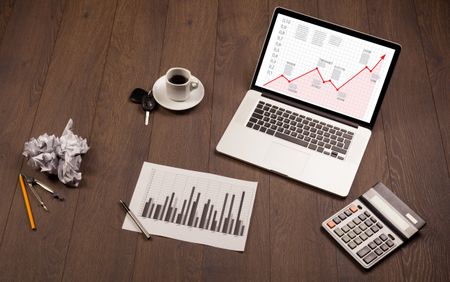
(309, 109)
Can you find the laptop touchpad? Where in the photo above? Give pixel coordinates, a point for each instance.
(285, 160)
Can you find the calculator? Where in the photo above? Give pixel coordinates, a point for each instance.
(374, 225)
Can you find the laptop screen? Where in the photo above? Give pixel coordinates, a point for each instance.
(325, 65)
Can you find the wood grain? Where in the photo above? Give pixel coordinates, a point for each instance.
(181, 139)
(6, 8)
(70, 90)
(23, 69)
(119, 143)
(239, 39)
(81, 59)
(432, 18)
(418, 173)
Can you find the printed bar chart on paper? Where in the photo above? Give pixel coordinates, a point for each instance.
(193, 206)
(325, 68)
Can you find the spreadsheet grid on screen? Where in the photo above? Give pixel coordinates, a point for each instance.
(324, 67)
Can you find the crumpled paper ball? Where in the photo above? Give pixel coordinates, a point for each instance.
(58, 155)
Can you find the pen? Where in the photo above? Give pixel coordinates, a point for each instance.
(135, 219)
(27, 202)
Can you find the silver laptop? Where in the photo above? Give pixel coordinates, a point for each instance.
(313, 101)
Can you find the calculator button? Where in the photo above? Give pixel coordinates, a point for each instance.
(352, 245)
(384, 247)
(331, 224)
(391, 237)
(383, 237)
(390, 243)
(379, 225)
(350, 225)
(369, 233)
(345, 228)
(362, 217)
(377, 241)
(357, 230)
(348, 212)
(370, 257)
(363, 237)
(362, 227)
(338, 232)
(372, 245)
(367, 213)
(373, 219)
(364, 251)
(358, 241)
(345, 239)
(378, 251)
(351, 234)
(337, 220)
(353, 209)
(342, 216)
(368, 223)
(356, 221)
(374, 229)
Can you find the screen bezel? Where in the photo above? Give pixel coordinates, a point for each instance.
(338, 28)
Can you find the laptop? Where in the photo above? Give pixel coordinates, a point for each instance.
(313, 101)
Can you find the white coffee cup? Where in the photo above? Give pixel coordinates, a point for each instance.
(179, 84)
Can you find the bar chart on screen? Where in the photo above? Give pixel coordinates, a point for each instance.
(193, 206)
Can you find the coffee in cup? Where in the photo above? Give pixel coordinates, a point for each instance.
(179, 84)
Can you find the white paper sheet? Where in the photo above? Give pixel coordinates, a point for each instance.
(193, 206)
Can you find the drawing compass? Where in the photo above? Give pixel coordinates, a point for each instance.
(32, 182)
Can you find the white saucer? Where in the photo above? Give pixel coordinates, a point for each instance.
(159, 92)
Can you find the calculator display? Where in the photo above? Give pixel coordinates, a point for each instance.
(389, 212)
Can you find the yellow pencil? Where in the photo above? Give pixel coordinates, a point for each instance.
(27, 202)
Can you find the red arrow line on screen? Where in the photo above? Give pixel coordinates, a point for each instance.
(329, 80)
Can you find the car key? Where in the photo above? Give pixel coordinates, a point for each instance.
(148, 105)
(137, 95)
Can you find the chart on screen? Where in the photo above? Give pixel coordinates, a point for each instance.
(193, 206)
(323, 67)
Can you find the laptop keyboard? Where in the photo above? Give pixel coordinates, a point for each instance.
(302, 130)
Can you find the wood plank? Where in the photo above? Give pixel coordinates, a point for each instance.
(240, 34)
(374, 166)
(70, 90)
(434, 25)
(182, 139)
(23, 68)
(120, 145)
(6, 8)
(51, 78)
(296, 213)
(417, 164)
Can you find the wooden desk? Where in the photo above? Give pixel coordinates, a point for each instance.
(81, 59)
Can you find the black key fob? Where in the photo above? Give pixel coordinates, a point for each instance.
(138, 95)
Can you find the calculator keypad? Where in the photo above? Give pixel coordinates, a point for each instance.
(362, 233)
